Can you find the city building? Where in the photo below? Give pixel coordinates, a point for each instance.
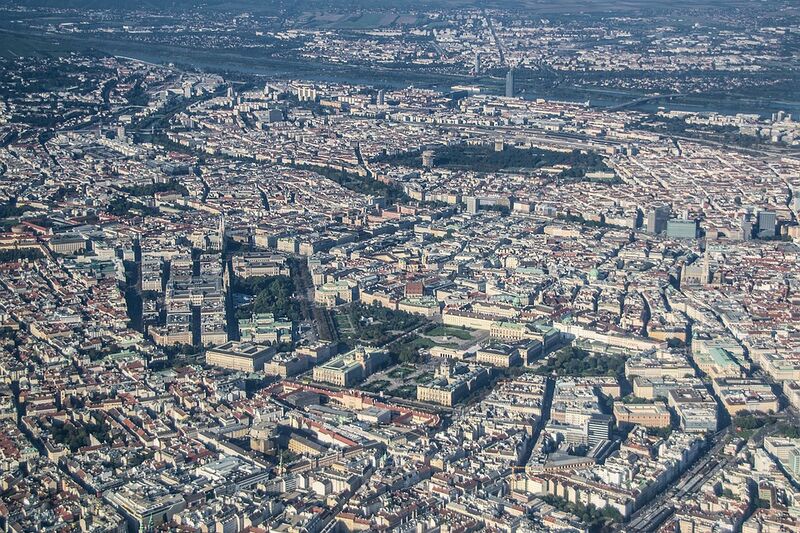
(242, 356)
(657, 219)
(347, 369)
(681, 229)
(652, 415)
(510, 83)
(452, 383)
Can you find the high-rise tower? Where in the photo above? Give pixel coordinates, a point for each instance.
(510, 83)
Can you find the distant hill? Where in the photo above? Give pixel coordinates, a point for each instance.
(297, 6)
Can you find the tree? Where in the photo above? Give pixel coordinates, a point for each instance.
(273, 294)
(374, 324)
(594, 518)
(152, 188)
(789, 431)
(120, 206)
(484, 158)
(9, 210)
(660, 432)
(12, 256)
(747, 421)
(675, 343)
(573, 361)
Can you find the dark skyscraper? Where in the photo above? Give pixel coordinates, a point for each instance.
(766, 223)
(657, 219)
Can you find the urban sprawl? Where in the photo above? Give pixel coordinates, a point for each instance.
(309, 306)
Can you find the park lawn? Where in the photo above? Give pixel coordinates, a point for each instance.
(445, 331)
(408, 392)
(401, 372)
(375, 386)
(421, 342)
(343, 324)
(425, 377)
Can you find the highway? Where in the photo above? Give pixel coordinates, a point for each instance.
(497, 42)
